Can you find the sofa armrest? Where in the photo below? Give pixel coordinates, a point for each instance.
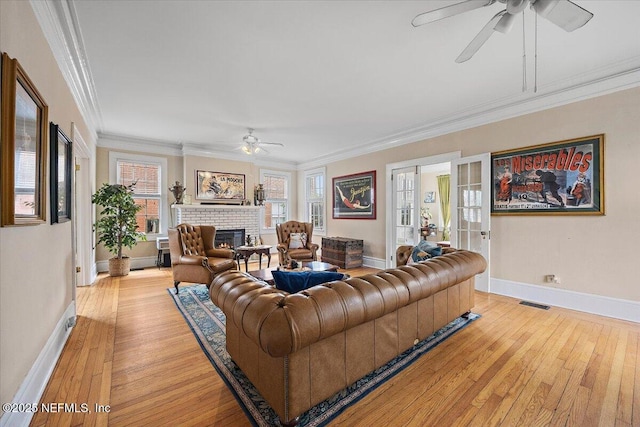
(403, 254)
(221, 253)
(192, 260)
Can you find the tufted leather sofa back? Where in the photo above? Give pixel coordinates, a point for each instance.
(285, 229)
(191, 237)
(282, 323)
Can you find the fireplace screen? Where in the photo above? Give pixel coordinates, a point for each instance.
(229, 238)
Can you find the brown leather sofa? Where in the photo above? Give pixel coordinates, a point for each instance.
(300, 349)
(284, 230)
(194, 257)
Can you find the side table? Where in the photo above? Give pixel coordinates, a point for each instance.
(246, 251)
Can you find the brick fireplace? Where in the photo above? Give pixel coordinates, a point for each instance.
(223, 217)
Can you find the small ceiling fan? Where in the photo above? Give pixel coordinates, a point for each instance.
(253, 144)
(563, 13)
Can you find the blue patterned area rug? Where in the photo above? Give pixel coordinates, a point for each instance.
(208, 325)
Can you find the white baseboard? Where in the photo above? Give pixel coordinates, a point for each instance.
(33, 386)
(590, 303)
(373, 262)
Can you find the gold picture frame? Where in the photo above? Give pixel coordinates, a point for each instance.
(558, 178)
(220, 187)
(24, 148)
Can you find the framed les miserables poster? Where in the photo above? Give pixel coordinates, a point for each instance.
(560, 178)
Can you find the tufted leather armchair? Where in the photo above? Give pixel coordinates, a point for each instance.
(194, 257)
(307, 253)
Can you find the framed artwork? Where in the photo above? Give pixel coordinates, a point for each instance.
(559, 178)
(354, 196)
(430, 197)
(220, 187)
(60, 176)
(24, 148)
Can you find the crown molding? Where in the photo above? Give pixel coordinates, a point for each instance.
(128, 143)
(59, 24)
(599, 82)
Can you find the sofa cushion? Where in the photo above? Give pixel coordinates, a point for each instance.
(425, 250)
(297, 240)
(294, 281)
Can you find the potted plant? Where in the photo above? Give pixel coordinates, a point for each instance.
(117, 226)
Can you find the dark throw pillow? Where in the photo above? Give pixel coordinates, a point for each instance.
(294, 281)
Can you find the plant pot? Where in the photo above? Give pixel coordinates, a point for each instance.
(119, 266)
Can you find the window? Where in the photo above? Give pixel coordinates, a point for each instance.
(148, 175)
(315, 199)
(277, 187)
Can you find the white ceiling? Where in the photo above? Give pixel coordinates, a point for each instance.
(326, 78)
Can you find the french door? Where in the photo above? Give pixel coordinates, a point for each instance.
(471, 209)
(405, 195)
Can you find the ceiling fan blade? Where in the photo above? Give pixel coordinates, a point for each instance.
(481, 38)
(272, 143)
(447, 11)
(505, 23)
(564, 13)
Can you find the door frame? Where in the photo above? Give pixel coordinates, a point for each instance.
(389, 217)
(83, 253)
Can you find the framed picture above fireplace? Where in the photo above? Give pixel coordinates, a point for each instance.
(220, 187)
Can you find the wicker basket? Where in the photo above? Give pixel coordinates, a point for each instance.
(119, 266)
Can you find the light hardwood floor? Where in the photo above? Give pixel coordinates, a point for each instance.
(132, 350)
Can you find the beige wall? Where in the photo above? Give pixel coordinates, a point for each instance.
(35, 261)
(578, 249)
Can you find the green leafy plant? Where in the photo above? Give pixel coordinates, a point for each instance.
(117, 225)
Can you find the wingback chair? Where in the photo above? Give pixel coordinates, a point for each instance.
(305, 253)
(194, 257)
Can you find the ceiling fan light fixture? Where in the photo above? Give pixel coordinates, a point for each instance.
(505, 23)
(246, 149)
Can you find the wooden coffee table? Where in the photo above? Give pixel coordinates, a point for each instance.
(266, 276)
(244, 252)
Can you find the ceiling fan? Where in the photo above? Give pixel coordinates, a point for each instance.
(563, 13)
(253, 144)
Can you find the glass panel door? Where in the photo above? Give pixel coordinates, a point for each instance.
(405, 203)
(471, 208)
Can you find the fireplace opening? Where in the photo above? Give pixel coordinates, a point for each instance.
(229, 238)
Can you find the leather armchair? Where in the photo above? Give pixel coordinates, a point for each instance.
(194, 257)
(307, 253)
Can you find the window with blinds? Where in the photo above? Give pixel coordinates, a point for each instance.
(146, 180)
(276, 204)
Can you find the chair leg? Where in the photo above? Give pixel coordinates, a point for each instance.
(176, 283)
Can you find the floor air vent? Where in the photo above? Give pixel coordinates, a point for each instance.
(533, 304)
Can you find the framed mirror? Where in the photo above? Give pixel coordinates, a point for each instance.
(60, 176)
(24, 150)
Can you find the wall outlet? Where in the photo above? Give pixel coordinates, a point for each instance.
(552, 278)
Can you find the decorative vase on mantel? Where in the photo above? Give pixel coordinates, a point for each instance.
(260, 195)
